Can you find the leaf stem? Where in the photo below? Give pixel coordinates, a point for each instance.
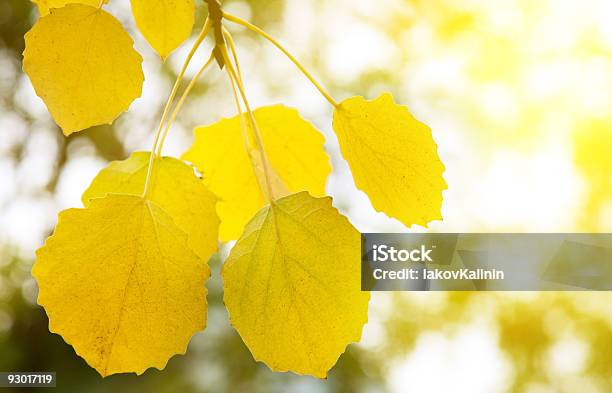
(241, 116)
(267, 36)
(196, 45)
(236, 81)
(232, 44)
(181, 101)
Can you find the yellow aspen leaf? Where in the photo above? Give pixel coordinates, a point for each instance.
(83, 65)
(45, 5)
(174, 188)
(164, 23)
(393, 158)
(292, 285)
(120, 284)
(294, 149)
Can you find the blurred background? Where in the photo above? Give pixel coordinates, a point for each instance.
(519, 96)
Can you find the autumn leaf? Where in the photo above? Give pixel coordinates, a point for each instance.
(83, 65)
(293, 147)
(292, 285)
(164, 23)
(120, 284)
(122, 280)
(393, 158)
(45, 5)
(174, 188)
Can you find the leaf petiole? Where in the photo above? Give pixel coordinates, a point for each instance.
(232, 45)
(179, 78)
(267, 36)
(236, 82)
(181, 101)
